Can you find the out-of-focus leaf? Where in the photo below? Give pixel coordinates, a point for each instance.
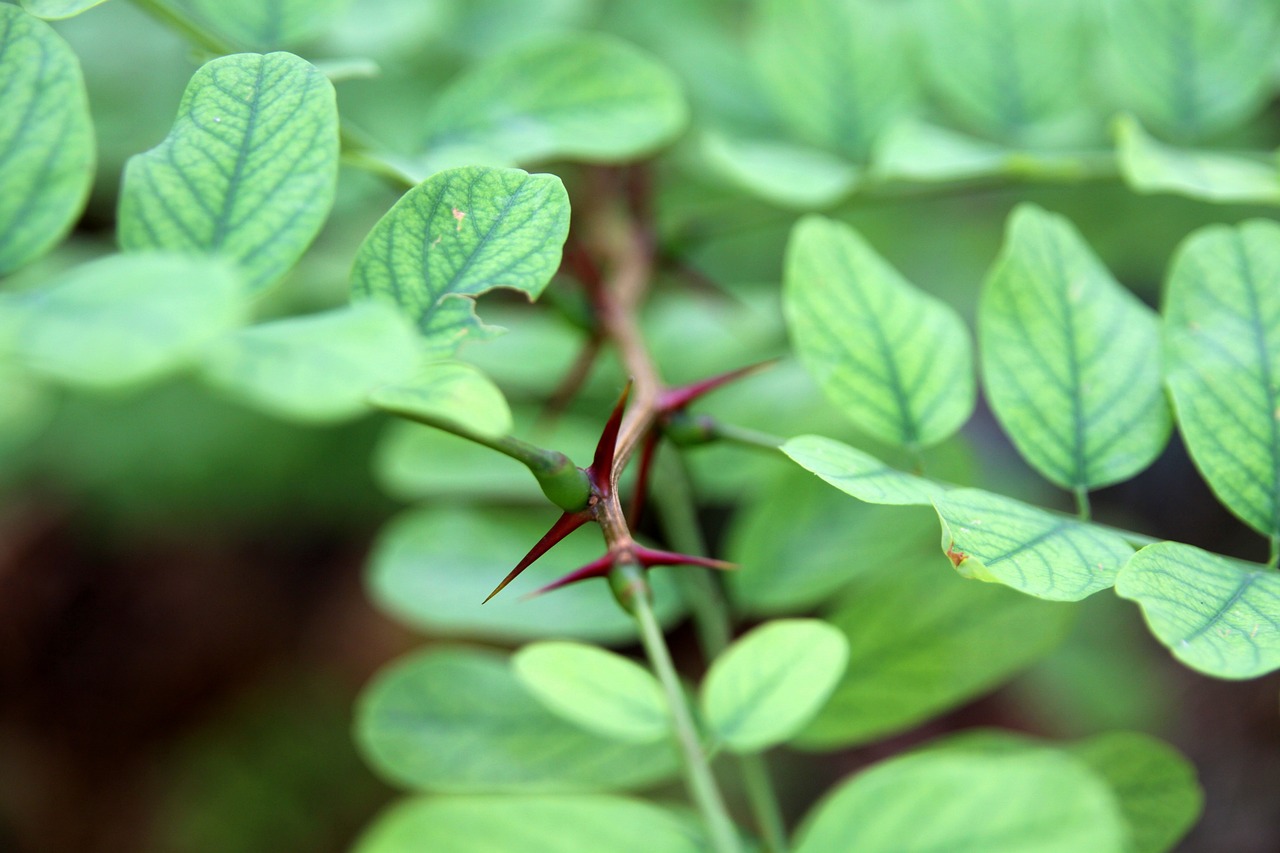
(893, 358)
(56, 10)
(530, 824)
(1222, 363)
(582, 97)
(452, 392)
(248, 170)
(458, 234)
(1152, 167)
(781, 172)
(1070, 359)
(860, 474)
(265, 24)
(317, 368)
(1216, 615)
(125, 319)
(454, 720)
(46, 138)
(912, 150)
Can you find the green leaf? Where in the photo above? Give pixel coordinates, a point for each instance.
(997, 539)
(922, 641)
(1155, 785)
(1187, 69)
(770, 682)
(860, 474)
(455, 720)
(1006, 70)
(912, 150)
(843, 540)
(1216, 615)
(1016, 800)
(450, 391)
(595, 689)
(780, 172)
(894, 359)
(585, 97)
(317, 368)
(264, 24)
(27, 408)
(529, 824)
(458, 234)
(46, 138)
(248, 170)
(1151, 167)
(1222, 363)
(126, 319)
(1070, 359)
(431, 568)
(56, 10)
(836, 70)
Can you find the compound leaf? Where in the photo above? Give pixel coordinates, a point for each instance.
(1222, 363)
(1070, 359)
(595, 689)
(458, 234)
(993, 538)
(456, 720)
(860, 474)
(46, 138)
(1216, 615)
(770, 682)
(893, 358)
(582, 97)
(248, 170)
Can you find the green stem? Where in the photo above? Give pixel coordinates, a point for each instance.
(678, 515)
(1082, 502)
(702, 785)
(745, 436)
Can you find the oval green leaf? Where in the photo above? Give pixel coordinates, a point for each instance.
(1070, 359)
(248, 171)
(317, 368)
(449, 392)
(1154, 784)
(46, 138)
(1149, 166)
(997, 539)
(595, 689)
(923, 641)
(458, 234)
(860, 474)
(1222, 362)
(769, 683)
(893, 358)
(582, 97)
(529, 824)
(1216, 615)
(455, 720)
(837, 71)
(1190, 70)
(56, 10)
(432, 568)
(1015, 800)
(126, 319)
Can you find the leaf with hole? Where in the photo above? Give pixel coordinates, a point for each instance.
(46, 138)
(595, 689)
(248, 170)
(997, 539)
(1222, 363)
(770, 682)
(459, 234)
(1218, 616)
(454, 720)
(1070, 359)
(891, 357)
(586, 97)
(127, 319)
(317, 368)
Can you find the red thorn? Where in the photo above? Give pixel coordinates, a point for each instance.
(642, 476)
(677, 398)
(564, 525)
(648, 557)
(602, 463)
(597, 568)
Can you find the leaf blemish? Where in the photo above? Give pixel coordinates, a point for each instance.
(955, 556)
(459, 215)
